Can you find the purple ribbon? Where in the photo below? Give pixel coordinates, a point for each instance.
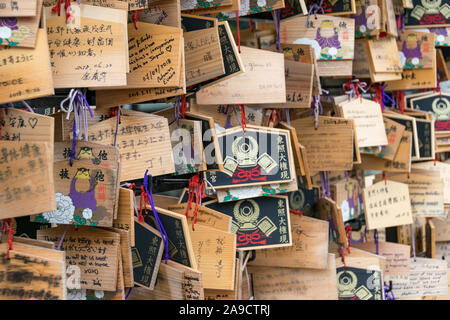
(62, 237)
(413, 241)
(385, 97)
(288, 116)
(277, 14)
(325, 182)
(314, 7)
(387, 290)
(155, 213)
(129, 291)
(375, 237)
(119, 111)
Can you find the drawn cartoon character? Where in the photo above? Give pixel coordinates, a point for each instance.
(412, 52)
(86, 153)
(245, 155)
(431, 12)
(366, 19)
(328, 38)
(84, 198)
(248, 226)
(347, 283)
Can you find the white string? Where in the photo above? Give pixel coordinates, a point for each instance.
(27, 106)
(80, 110)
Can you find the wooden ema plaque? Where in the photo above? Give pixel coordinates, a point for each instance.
(205, 216)
(21, 31)
(203, 52)
(18, 8)
(387, 204)
(125, 213)
(258, 157)
(26, 72)
(32, 274)
(275, 283)
(427, 277)
(215, 252)
(331, 146)
(253, 86)
(362, 278)
(439, 107)
(94, 251)
(96, 56)
(146, 254)
(20, 125)
(428, 14)
(26, 186)
(155, 56)
(177, 230)
(309, 248)
(259, 223)
(368, 119)
(331, 36)
(85, 194)
(397, 256)
(144, 143)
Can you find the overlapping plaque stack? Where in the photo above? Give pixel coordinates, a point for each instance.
(224, 149)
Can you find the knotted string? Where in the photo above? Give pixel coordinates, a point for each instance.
(155, 213)
(352, 87)
(314, 9)
(79, 106)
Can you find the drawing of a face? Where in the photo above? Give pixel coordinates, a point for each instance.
(85, 153)
(411, 41)
(82, 173)
(432, 5)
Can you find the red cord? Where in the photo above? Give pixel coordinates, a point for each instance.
(183, 106)
(341, 249)
(135, 17)
(243, 117)
(143, 198)
(57, 7)
(10, 234)
(384, 178)
(348, 229)
(238, 31)
(296, 212)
